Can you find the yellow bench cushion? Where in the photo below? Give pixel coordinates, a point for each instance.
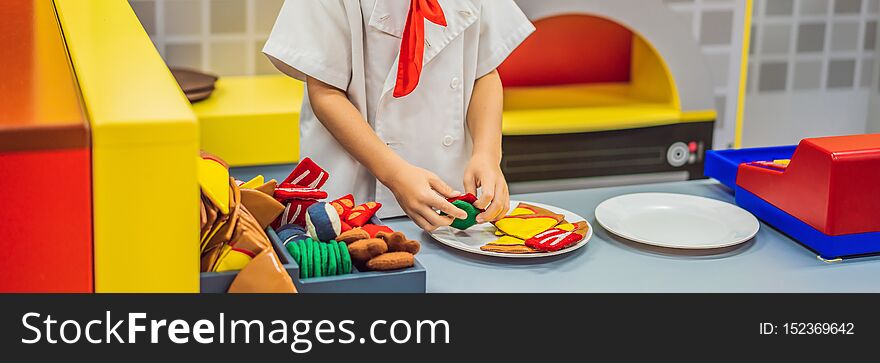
(252, 120)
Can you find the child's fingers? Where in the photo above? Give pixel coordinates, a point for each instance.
(505, 206)
(504, 203)
(442, 205)
(488, 193)
(444, 189)
(422, 223)
(470, 184)
(434, 219)
(498, 206)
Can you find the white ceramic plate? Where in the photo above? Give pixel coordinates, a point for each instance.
(471, 239)
(676, 220)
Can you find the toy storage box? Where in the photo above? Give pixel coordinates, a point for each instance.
(410, 280)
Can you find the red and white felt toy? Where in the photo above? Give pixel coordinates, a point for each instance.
(307, 174)
(343, 206)
(299, 191)
(361, 215)
(555, 239)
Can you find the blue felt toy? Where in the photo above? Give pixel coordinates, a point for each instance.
(291, 233)
(323, 222)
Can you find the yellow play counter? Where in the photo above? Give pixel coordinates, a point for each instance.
(588, 108)
(252, 120)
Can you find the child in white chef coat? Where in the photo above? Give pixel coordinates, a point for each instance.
(403, 101)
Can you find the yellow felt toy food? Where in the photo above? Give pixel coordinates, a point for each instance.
(527, 220)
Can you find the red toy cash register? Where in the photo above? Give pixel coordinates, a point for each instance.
(825, 193)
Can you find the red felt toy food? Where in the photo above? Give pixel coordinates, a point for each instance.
(299, 191)
(555, 239)
(343, 206)
(469, 198)
(286, 191)
(374, 230)
(307, 174)
(361, 214)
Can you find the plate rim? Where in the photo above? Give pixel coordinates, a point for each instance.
(735, 242)
(478, 251)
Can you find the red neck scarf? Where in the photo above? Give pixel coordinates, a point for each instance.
(412, 46)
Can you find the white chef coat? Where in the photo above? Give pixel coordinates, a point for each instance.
(353, 45)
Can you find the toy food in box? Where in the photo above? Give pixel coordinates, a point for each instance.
(322, 246)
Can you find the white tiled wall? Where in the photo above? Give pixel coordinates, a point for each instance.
(219, 36)
(812, 70)
(717, 26)
(813, 45)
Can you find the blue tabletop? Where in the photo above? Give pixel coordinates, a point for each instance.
(771, 262)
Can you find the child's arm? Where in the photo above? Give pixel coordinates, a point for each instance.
(415, 188)
(484, 169)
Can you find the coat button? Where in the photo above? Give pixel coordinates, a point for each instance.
(448, 140)
(456, 82)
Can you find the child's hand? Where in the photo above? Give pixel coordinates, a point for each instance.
(485, 172)
(417, 189)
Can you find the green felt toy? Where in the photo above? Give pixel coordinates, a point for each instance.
(333, 258)
(318, 259)
(316, 267)
(306, 258)
(325, 260)
(345, 258)
(336, 250)
(293, 248)
(471, 219)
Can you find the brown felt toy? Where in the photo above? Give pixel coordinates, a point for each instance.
(365, 249)
(353, 235)
(391, 261)
(397, 242)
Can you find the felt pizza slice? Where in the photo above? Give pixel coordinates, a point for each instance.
(233, 259)
(508, 241)
(527, 220)
(525, 226)
(556, 239)
(523, 207)
(508, 244)
(251, 184)
(514, 249)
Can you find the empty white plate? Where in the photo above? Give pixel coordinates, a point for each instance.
(676, 220)
(471, 239)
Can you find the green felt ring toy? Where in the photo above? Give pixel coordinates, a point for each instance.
(336, 250)
(345, 258)
(325, 260)
(293, 249)
(332, 258)
(305, 259)
(316, 267)
(471, 219)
